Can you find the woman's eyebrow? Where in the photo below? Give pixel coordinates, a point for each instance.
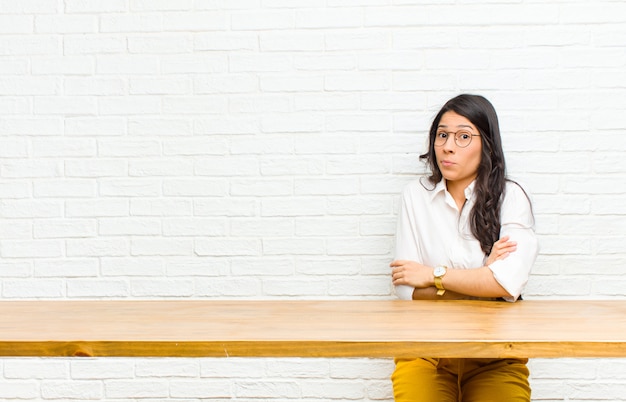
(460, 125)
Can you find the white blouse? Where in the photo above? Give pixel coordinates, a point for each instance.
(432, 232)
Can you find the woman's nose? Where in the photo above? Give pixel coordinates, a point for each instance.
(450, 144)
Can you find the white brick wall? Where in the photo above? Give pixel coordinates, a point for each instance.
(255, 149)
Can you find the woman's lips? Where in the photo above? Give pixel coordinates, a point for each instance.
(447, 163)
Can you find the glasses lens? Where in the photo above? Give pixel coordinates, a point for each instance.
(463, 138)
(441, 138)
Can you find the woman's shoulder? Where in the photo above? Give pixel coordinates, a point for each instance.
(517, 204)
(419, 187)
(514, 190)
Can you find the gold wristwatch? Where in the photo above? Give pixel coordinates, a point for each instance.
(439, 272)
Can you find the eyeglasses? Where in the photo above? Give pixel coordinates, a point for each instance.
(462, 138)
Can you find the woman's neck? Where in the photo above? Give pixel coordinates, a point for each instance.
(457, 191)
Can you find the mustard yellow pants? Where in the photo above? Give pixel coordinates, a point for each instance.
(461, 380)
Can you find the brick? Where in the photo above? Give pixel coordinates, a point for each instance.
(365, 81)
(35, 369)
(14, 106)
(226, 126)
(262, 20)
(315, 266)
(295, 42)
(101, 369)
(259, 62)
(161, 207)
(348, 17)
(94, 44)
(127, 64)
(147, 246)
(20, 390)
(160, 86)
(135, 389)
(194, 63)
(72, 389)
(68, 268)
(293, 246)
(68, 188)
(162, 287)
(160, 167)
(131, 23)
(99, 247)
(168, 368)
(261, 187)
(136, 105)
(271, 266)
(51, 229)
(291, 287)
(200, 105)
(77, 147)
(231, 287)
(375, 286)
(95, 6)
(16, 24)
(326, 102)
(301, 206)
(31, 208)
(230, 83)
(194, 187)
(358, 246)
(330, 186)
(66, 24)
(269, 227)
(226, 41)
(160, 44)
(333, 390)
(291, 123)
(227, 247)
(29, 289)
(159, 5)
(64, 105)
(31, 248)
(29, 7)
(128, 227)
(194, 227)
(285, 83)
(132, 266)
(196, 266)
(32, 86)
(96, 208)
(228, 207)
(29, 44)
(327, 61)
(16, 270)
(265, 103)
(97, 288)
(267, 389)
(200, 389)
(16, 229)
(233, 367)
(94, 86)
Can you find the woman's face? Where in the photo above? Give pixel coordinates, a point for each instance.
(458, 165)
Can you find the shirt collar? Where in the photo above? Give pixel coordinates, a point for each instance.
(441, 188)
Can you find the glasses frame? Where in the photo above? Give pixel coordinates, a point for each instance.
(456, 137)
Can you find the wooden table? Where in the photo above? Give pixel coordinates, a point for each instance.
(396, 328)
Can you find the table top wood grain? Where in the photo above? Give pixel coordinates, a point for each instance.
(337, 328)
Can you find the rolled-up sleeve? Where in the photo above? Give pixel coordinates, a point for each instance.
(517, 222)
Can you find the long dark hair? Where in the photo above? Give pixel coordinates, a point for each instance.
(491, 176)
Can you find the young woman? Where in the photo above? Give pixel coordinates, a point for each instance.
(464, 232)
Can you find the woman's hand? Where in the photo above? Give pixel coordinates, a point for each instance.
(501, 249)
(411, 273)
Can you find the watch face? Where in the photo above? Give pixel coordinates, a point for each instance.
(439, 271)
